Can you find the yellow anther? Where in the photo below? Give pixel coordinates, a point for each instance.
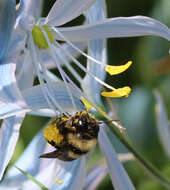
(114, 70)
(125, 91)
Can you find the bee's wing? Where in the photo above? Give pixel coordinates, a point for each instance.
(53, 154)
(61, 154)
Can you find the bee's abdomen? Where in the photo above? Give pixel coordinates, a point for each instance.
(79, 143)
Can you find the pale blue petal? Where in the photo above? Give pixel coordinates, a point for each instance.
(25, 76)
(9, 110)
(162, 123)
(9, 91)
(29, 161)
(43, 112)
(35, 100)
(34, 7)
(118, 174)
(95, 176)
(97, 50)
(72, 175)
(11, 126)
(7, 18)
(65, 11)
(17, 44)
(25, 15)
(9, 133)
(6, 187)
(116, 28)
(45, 175)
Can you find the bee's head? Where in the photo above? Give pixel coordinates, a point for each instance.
(86, 125)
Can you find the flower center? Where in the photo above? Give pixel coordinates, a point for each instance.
(39, 38)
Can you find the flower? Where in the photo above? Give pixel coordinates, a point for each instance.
(49, 96)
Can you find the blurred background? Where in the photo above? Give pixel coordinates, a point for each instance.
(149, 72)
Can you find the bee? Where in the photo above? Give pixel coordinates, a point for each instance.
(72, 135)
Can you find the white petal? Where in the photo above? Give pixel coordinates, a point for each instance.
(162, 123)
(9, 109)
(97, 50)
(7, 7)
(95, 176)
(25, 17)
(35, 100)
(10, 95)
(9, 133)
(44, 113)
(6, 187)
(28, 11)
(47, 176)
(29, 161)
(25, 76)
(9, 91)
(116, 28)
(72, 175)
(17, 44)
(65, 11)
(118, 174)
(30, 7)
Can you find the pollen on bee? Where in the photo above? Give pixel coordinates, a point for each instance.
(51, 133)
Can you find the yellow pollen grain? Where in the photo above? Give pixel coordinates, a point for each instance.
(120, 92)
(59, 181)
(76, 120)
(51, 133)
(114, 70)
(65, 118)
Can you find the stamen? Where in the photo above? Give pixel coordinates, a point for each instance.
(112, 70)
(84, 69)
(53, 54)
(70, 68)
(76, 48)
(44, 74)
(43, 86)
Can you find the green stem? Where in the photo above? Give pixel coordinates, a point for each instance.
(151, 169)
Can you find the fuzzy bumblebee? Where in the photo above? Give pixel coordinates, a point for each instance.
(72, 135)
